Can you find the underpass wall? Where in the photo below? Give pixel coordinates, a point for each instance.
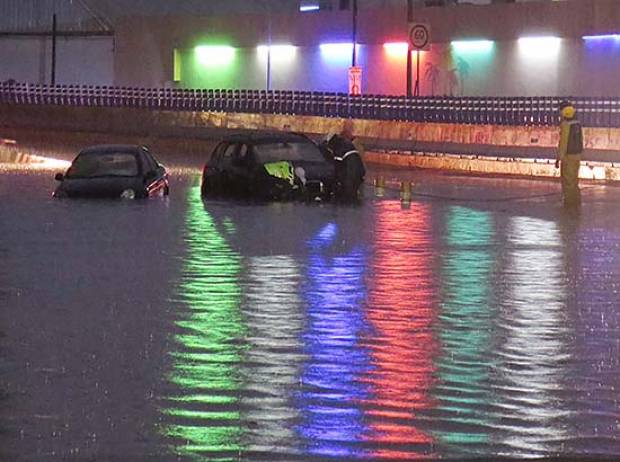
(208, 124)
(11, 153)
(79, 60)
(484, 165)
(213, 125)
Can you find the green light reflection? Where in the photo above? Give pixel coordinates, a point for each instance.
(202, 413)
(465, 329)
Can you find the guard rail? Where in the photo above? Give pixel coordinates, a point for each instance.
(543, 111)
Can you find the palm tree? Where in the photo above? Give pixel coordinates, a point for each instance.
(463, 68)
(432, 74)
(452, 80)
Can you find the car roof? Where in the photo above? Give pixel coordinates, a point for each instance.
(107, 148)
(266, 137)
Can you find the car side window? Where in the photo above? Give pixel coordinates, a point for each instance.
(230, 150)
(241, 156)
(251, 156)
(150, 164)
(228, 154)
(216, 156)
(144, 163)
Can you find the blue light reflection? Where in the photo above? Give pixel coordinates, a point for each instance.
(332, 422)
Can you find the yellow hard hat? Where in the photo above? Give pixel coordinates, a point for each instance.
(568, 112)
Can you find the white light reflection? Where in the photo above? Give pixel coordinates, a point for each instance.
(534, 339)
(272, 311)
(18, 160)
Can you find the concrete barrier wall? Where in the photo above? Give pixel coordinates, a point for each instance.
(480, 165)
(202, 124)
(210, 125)
(10, 153)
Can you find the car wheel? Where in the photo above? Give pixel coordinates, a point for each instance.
(130, 194)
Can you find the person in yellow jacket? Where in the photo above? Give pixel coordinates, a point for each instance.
(569, 154)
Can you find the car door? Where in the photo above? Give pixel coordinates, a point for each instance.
(212, 175)
(230, 181)
(241, 167)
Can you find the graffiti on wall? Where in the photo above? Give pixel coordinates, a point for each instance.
(446, 73)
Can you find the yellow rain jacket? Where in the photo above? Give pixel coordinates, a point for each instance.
(570, 162)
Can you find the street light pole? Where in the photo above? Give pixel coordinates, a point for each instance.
(409, 19)
(269, 49)
(416, 91)
(54, 33)
(354, 57)
(267, 9)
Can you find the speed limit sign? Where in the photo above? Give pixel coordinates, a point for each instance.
(420, 36)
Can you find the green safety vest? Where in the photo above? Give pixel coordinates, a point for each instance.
(282, 169)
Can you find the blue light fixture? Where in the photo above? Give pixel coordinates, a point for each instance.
(602, 37)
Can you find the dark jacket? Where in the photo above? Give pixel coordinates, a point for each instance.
(350, 170)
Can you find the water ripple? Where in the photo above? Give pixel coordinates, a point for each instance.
(203, 413)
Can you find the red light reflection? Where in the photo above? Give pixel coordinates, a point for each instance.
(400, 312)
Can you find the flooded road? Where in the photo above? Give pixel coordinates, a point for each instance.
(464, 325)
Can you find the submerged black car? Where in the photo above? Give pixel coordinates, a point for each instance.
(115, 171)
(273, 166)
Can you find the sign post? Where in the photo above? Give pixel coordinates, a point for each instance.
(420, 40)
(355, 80)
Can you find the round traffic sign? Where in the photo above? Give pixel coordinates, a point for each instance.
(419, 36)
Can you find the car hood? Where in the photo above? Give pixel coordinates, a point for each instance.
(99, 187)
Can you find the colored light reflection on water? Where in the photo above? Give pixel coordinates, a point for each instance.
(534, 325)
(597, 337)
(464, 327)
(332, 421)
(273, 311)
(203, 416)
(309, 331)
(401, 344)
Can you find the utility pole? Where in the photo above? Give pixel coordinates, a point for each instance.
(409, 76)
(354, 58)
(54, 49)
(269, 50)
(267, 9)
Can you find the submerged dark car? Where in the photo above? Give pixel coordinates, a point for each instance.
(114, 171)
(274, 166)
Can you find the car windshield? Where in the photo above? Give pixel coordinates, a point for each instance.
(297, 151)
(90, 165)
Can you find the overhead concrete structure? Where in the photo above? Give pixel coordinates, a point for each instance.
(526, 48)
(537, 48)
(85, 42)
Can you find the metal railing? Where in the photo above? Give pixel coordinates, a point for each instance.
(532, 111)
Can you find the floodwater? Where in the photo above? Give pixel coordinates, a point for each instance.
(480, 320)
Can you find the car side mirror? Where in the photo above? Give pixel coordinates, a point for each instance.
(59, 177)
